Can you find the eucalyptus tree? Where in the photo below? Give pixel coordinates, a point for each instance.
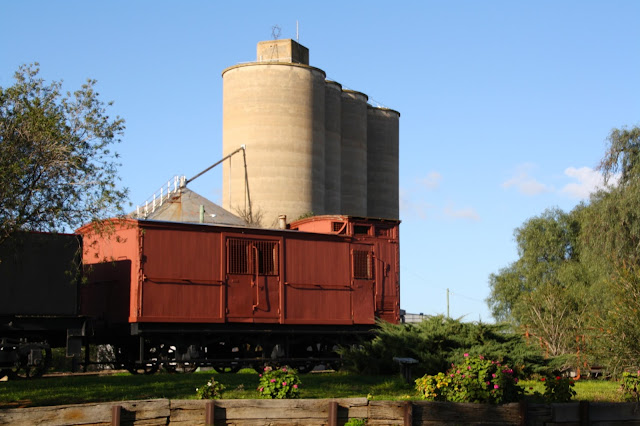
(58, 169)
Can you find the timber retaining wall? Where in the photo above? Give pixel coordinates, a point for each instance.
(310, 412)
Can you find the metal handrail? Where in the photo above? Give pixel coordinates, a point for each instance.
(160, 196)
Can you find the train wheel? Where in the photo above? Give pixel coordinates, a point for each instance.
(125, 356)
(142, 368)
(167, 355)
(33, 361)
(227, 368)
(150, 366)
(227, 355)
(180, 367)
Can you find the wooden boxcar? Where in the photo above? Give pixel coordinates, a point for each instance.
(39, 285)
(185, 295)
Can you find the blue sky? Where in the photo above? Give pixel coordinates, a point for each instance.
(505, 105)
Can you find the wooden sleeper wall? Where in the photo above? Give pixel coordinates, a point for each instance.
(311, 412)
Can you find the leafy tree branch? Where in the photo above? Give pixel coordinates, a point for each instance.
(57, 166)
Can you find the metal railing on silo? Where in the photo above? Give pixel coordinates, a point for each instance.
(160, 197)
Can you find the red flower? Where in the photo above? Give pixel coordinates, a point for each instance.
(543, 379)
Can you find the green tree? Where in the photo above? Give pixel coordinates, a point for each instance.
(611, 240)
(506, 288)
(612, 225)
(544, 290)
(57, 167)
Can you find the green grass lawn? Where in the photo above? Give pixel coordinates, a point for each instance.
(120, 387)
(586, 390)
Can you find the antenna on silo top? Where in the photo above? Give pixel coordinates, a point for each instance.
(275, 32)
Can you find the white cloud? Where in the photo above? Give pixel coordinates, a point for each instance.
(525, 183)
(410, 207)
(412, 201)
(464, 213)
(589, 181)
(432, 181)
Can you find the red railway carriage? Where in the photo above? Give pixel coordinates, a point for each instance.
(193, 294)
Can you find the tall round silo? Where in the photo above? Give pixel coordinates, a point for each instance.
(383, 200)
(353, 154)
(276, 109)
(332, 136)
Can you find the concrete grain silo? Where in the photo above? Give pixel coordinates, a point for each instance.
(353, 154)
(311, 147)
(276, 108)
(332, 141)
(382, 163)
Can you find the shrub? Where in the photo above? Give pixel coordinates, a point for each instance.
(280, 383)
(631, 386)
(356, 422)
(558, 389)
(434, 388)
(475, 380)
(212, 390)
(436, 342)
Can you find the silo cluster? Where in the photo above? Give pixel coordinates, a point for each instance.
(312, 147)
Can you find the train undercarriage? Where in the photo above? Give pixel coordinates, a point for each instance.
(183, 348)
(152, 347)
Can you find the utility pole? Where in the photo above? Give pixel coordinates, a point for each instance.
(448, 303)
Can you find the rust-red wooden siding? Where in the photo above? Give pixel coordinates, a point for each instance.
(184, 273)
(317, 282)
(112, 264)
(182, 276)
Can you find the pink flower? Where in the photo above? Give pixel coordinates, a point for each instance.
(295, 386)
(284, 369)
(458, 371)
(468, 367)
(284, 383)
(488, 383)
(273, 380)
(515, 380)
(496, 386)
(452, 375)
(259, 375)
(493, 375)
(480, 356)
(260, 389)
(466, 355)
